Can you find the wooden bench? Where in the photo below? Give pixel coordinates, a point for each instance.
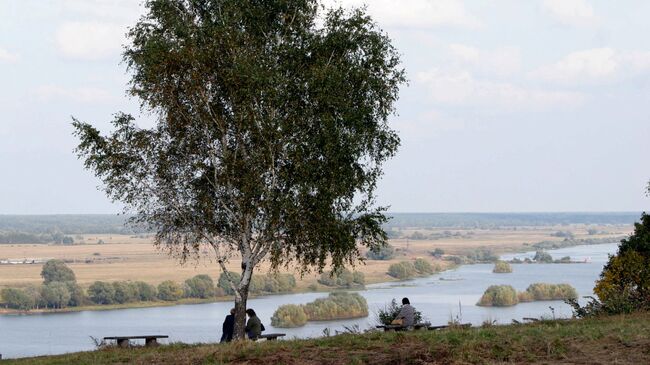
(123, 341)
(271, 336)
(399, 327)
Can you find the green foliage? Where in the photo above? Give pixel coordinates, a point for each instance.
(438, 252)
(543, 257)
(543, 291)
(77, 294)
(499, 296)
(502, 267)
(389, 312)
(101, 292)
(224, 282)
(56, 270)
(125, 292)
(481, 255)
(146, 292)
(386, 252)
(343, 278)
(338, 305)
(423, 266)
(200, 286)
(402, 270)
(270, 283)
(169, 291)
(17, 299)
(457, 260)
(625, 280)
(55, 295)
(289, 316)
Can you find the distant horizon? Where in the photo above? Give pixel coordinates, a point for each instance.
(388, 212)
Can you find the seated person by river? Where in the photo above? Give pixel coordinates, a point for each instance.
(254, 326)
(228, 327)
(406, 316)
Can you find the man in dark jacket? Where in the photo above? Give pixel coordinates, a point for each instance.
(228, 327)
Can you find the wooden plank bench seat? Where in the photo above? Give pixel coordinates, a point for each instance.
(271, 336)
(399, 327)
(123, 341)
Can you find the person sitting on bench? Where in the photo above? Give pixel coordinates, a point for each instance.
(254, 326)
(406, 316)
(228, 327)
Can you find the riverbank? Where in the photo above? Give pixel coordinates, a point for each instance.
(617, 339)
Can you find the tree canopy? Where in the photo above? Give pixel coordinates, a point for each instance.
(271, 131)
(56, 270)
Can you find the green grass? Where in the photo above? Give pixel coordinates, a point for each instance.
(617, 339)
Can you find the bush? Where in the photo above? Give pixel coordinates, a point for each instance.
(543, 257)
(482, 254)
(101, 293)
(457, 260)
(146, 292)
(17, 299)
(402, 270)
(383, 253)
(423, 266)
(438, 252)
(169, 291)
(224, 284)
(124, 292)
(289, 316)
(56, 270)
(77, 294)
(336, 306)
(56, 295)
(387, 314)
(342, 279)
(200, 286)
(543, 291)
(499, 296)
(502, 267)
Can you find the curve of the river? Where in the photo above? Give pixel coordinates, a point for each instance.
(440, 297)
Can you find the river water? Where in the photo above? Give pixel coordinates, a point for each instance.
(441, 297)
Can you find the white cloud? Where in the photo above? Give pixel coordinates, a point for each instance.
(415, 13)
(8, 57)
(90, 40)
(78, 95)
(123, 11)
(594, 65)
(460, 88)
(501, 61)
(571, 12)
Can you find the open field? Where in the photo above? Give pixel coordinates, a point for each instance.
(124, 257)
(605, 340)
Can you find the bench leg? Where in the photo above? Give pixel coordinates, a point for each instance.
(148, 342)
(123, 343)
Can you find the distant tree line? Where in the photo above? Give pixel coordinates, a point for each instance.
(407, 270)
(342, 279)
(506, 295)
(60, 290)
(16, 237)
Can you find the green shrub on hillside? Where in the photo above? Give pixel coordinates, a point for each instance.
(289, 316)
(502, 267)
(383, 253)
(402, 270)
(543, 291)
(337, 306)
(499, 296)
(423, 266)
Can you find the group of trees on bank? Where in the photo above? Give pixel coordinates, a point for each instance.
(60, 289)
(506, 295)
(337, 305)
(271, 283)
(407, 270)
(19, 237)
(386, 252)
(343, 278)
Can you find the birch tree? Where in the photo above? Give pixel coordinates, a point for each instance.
(271, 131)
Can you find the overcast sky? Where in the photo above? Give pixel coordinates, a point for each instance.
(537, 105)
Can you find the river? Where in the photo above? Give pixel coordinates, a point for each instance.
(440, 297)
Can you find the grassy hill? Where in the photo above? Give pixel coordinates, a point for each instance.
(617, 339)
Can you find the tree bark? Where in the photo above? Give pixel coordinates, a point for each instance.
(241, 298)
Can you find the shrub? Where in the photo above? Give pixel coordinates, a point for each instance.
(342, 279)
(56, 295)
(77, 294)
(146, 292)
(423, 266)
(402, 270)
(359, 278)
(387, 314)
(457, 260)
(101, 293)
(224, 284)
(482, 254)
(502, 267)
(124, 292)
(499, 296)
(17, 299)
(289, 316)
(438, 252)
(56, 270)
(337, 306)
(543, 291)
(200, 286)
(543, 257)
(272, 283)
(386, 252)
(169, 291)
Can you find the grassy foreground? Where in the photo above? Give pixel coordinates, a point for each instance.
(610, 340)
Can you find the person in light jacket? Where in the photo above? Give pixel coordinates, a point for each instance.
(407, 313)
